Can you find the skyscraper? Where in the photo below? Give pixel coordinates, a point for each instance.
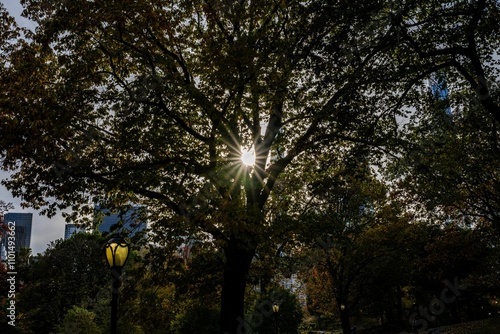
(71, 229)
(439, 90)
(128, 223)
(20, 223)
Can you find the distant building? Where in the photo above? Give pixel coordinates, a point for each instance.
(129, 223)
(71, 229)
(439, 90)
(22, 224)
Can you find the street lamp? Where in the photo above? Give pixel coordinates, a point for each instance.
(276, 309)
(117, 250)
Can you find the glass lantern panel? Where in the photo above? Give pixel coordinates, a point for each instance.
(109, 253)
(121, 254)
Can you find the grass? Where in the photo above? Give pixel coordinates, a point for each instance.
(487, 326)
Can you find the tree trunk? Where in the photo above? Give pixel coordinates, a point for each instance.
(399, 296)
(455, 318)
(344, 320)
(236, 269)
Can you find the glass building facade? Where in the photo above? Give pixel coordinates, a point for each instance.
(127, 223)
(71, 229)
(22, 223)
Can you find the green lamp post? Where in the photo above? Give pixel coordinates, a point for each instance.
(117, 251)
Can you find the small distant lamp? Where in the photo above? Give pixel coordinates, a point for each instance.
(276, 309)
(117, 251)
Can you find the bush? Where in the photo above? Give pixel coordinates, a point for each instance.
(198, 319)
(79, 321)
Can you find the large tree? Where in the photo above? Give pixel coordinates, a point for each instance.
(152, 102)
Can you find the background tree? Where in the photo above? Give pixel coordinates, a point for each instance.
(437, 262)
(451, 165)
(351, 239)
(449, 172)
(153, 103)
(69, 273)
(195, 284)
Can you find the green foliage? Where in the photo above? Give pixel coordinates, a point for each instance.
(79, 321)
(262, 320)
(433, 178)
(69, 273)
(170, 294)
(458, 38)
(197, 318)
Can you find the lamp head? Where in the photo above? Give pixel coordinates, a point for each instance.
(276, 308)
(117, 251)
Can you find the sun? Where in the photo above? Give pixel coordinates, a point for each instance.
(247, 157)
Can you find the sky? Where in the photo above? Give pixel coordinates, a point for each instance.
(44, 230)
(14, 7)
